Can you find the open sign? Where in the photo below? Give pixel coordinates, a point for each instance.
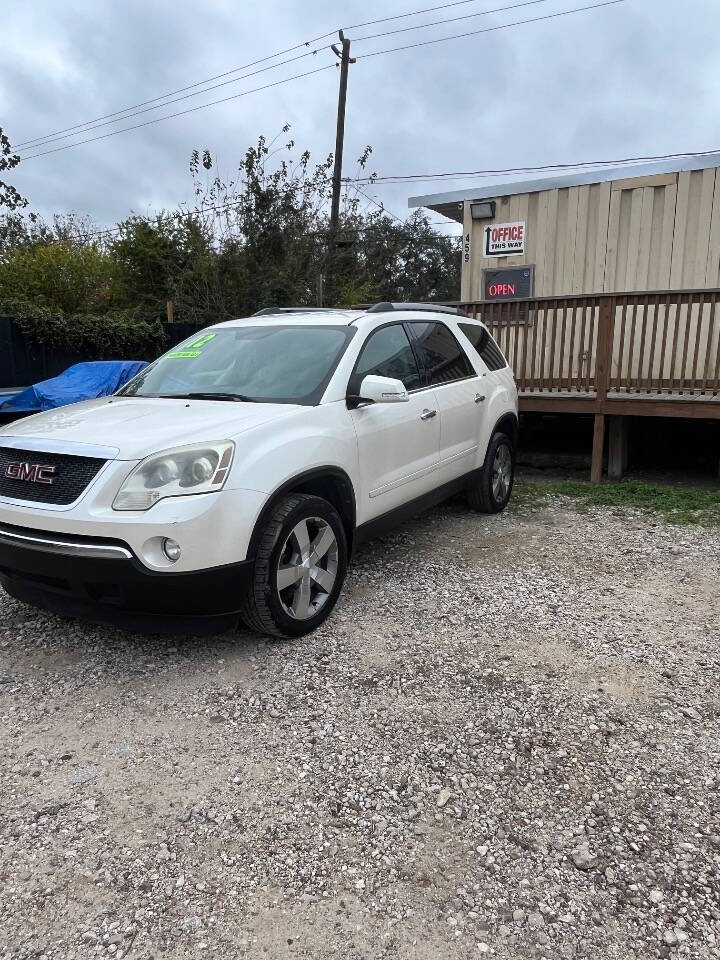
(508, 283)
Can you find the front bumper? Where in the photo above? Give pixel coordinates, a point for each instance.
(102, 580)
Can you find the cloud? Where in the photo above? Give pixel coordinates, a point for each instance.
(602, 84)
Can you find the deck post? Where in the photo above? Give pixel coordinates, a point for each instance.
(603, 361)
(598, 448)
(604, 346)
(618, 448)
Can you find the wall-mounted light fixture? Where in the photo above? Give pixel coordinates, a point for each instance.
(482, 210)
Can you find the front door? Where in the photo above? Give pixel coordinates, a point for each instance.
(398, 443)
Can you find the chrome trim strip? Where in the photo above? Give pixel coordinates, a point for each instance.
(60, 446)
(48, 544)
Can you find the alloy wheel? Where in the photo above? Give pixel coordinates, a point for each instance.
(501, 473)
(307, 568)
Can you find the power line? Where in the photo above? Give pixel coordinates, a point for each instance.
(384, 209)
(232, 204)
(405, 178)
(413, 13)
(503, 26)
(180, 113)
(171, 93)
(434, 237)
(187, 96)
(35, 141)
(409, 178)
(438, 23)
(92, 125)
(377, 203)
(375, 53)
(125, 114)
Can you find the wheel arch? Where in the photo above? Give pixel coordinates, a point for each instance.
(331, 483)
(508, 423)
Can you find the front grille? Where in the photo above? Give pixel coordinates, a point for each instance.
(70, 475)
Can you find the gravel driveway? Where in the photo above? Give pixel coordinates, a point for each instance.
(505, 742)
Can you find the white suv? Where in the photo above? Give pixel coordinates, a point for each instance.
(233, 477)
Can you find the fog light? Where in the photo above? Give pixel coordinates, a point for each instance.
(171, 549)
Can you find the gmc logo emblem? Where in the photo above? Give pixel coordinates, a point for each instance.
(30, 472)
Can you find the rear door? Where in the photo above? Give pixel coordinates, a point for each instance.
(459, 392)
(398, 443)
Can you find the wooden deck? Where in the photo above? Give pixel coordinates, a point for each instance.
(648, 354)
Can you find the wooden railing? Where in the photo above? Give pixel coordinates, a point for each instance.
(664, 343)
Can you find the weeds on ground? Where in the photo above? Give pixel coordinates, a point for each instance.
(676, 504)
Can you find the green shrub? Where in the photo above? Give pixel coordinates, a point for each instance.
(60, 276)
(117, 333)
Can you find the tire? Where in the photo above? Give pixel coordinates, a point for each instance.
(490, 491)
(296, 524)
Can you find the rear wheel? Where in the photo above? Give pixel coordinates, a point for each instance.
(300, 567)
(490, 491)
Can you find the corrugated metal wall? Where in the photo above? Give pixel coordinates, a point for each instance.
(651, 233)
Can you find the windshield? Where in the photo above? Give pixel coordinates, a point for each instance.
(273, 364)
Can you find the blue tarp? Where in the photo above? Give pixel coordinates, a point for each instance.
(83, 381)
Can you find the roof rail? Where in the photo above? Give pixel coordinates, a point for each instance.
(270, 311)
(387, 307)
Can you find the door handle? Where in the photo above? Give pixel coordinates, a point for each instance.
(428, 414)
(479, 397)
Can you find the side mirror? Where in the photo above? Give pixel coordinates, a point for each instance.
(380, 390)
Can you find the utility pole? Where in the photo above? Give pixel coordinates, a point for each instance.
(345, 60)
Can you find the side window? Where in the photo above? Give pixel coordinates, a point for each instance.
(483, 342)
(387, 354)
(440, 353)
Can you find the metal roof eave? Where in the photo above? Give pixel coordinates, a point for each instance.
(450, 204)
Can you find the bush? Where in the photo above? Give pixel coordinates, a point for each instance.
(116, 334)
(60, 276)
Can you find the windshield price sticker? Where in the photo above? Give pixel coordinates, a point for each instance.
(192, 350)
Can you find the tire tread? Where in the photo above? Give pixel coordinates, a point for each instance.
(479, 495)
(255, 610)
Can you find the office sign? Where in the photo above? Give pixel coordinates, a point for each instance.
(508, 283)
(504, 239)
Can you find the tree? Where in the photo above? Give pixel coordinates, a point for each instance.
(19, 229)
(269, 226)
(259, 238)
(60, 276)
(389, 259)
(9, 196)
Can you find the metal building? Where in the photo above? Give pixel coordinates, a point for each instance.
(602, 287)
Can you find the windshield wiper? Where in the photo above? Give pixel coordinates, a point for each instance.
(237, 397)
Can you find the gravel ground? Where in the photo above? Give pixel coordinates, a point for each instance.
(505, 742)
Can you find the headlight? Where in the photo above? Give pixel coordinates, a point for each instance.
(176, 473)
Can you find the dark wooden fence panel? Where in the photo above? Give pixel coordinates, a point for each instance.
(23, 362)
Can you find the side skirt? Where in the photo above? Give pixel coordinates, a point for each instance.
(387, 521)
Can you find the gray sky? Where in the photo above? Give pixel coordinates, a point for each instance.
(639, 78)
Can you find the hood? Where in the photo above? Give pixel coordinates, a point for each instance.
(138, 426)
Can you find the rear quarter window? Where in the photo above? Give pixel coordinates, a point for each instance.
(482, 341)
(441, 355)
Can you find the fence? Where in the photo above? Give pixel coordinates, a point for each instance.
(622, 354)
(23, 362)
(641, 344)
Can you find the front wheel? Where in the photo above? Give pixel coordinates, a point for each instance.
(300, 567)
(490, 491)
